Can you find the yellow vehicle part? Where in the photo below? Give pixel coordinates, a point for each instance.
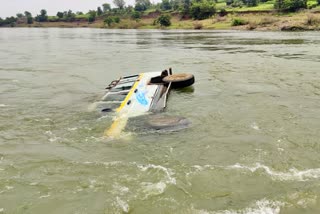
(120, 122)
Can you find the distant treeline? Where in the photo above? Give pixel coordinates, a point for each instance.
(195, 9)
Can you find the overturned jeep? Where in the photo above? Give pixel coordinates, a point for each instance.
(136, 95)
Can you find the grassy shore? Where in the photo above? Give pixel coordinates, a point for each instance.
(259, 19)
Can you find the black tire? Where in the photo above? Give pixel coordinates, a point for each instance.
(179, 80)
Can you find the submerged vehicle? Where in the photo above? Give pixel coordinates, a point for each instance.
(136, 95)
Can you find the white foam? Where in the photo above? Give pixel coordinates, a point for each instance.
(146, 188)
(305, 202)
(92, 183)
(292, 175)
(48, 132)
(121, 189)
(72, 129)
(255, 126)
(263, 206)
(3, 105)
(151, 189)
(9, 187)
(201, 168)
(123, 205)
(52, 137)
(44, 196)
(167, 171)
(1, 210)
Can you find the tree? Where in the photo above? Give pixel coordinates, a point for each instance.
(164, 20)
(139, 7)
(70, 16)
(165, 5)
(119, 3)
(106, 7)
(29, 17)
(290, 5)
(186, 7)
(60, 15)
(92, 16)
(202, 10)
(27, 13)
(19, 15)
(175, 4)
(99, 11)
(251, 3)
(142, 5)
(42, 17)
(9, 21)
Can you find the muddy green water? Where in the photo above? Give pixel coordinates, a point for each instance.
(253, 146)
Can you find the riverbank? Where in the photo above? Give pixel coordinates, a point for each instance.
(248, 20)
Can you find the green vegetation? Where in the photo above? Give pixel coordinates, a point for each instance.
(92, 16)
(186, 14)
(43, 17)
(238, 21)
(142, 5)
(111, 19)
(202, 9)
(290, 5)
(119, 3)
(164, 20)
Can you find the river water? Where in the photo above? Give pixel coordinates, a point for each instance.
(253, 146)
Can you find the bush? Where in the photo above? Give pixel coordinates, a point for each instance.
(312, 5)
(290, 5)
(238, 21)
(53, 19)
(116, 19)
(202, 10)
(237, 3)
(111, 19)
(91, 18)
(136, 15)
(251, 3)
(164, 20)
(108, 21)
